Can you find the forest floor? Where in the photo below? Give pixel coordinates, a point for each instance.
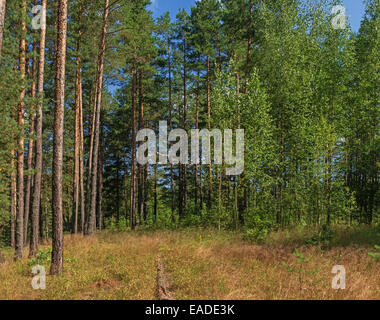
(200, 264)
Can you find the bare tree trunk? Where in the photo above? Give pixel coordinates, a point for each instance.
(124, 191)
(36, 201)
(118, 193)
(184, 167)
(29, 180)
(81, 164)
(196, 127)
(146, 187)
(94, 172)
(236, 214)
(201, 193)
(172, 187)
(46, 231)
(209, 128)
(57, 225)
(13, 191)
(133, 161)
(140, 172)
(90, 155)
(220, 197)
(13, 200)
(91, 128)
(236, 184)
(100, 178)
(155, 194)
(2, 19)
(42, 216)
(20, 151)
(78, 93)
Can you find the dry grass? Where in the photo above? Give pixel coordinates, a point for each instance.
(119, 266)
(200, 264)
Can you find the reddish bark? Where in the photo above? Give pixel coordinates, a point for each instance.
(36, 201)
(57, 225)
(20, 151)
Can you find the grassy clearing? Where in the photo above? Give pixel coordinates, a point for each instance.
(202, 264)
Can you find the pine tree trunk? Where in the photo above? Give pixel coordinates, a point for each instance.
(146, 187)
(81, 163)
(13, 200)
(140, 172)
(29, 181)
(172, 187)
(118, 194)
(184, 167)
(281, 177)
(2, 19)
(124, 190)
(94, 172)
(155, 194)
(209, 128)
(133, 161)
(196, 127)
(100, 178)
(57, 221)
(236, 214)
(42, 217)
(20, 151)
(13, 209)
(91, 123)
(220, 197)
(236, 184)
(77, 134)
(41, 222)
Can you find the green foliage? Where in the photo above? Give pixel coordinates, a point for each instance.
(113, 225)
(256, 235)
(304, 267)
(191, 220)
(284, 75)
(375, 255)
(69, 260)
(258, 226)
(305, 94)
(323, 237)
(42, 257)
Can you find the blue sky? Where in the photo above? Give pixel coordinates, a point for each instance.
(354, 9)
